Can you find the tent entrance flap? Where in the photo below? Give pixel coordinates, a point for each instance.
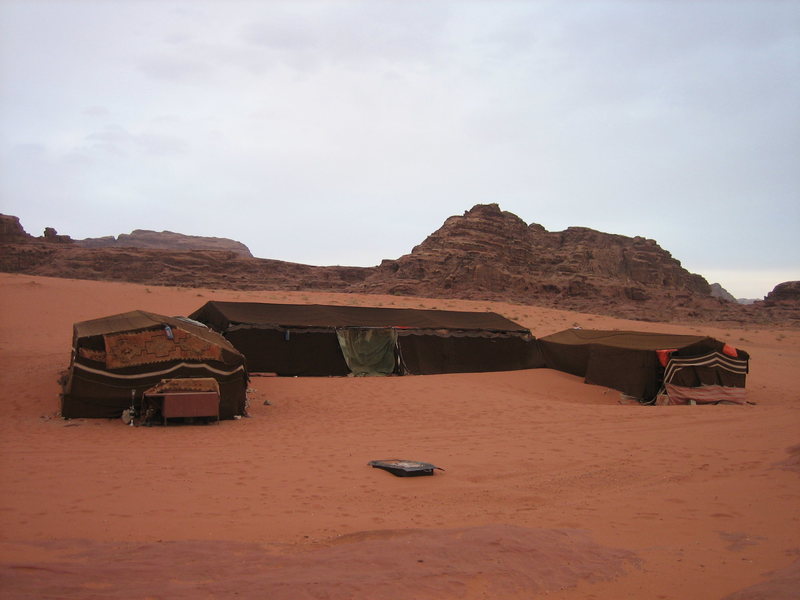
(369, 351)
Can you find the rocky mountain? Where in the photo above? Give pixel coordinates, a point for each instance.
(495, 253)
(11, 230)
(784, 294)
(165, 240)
(485, 253)
(720, 292)
(492, 254)
(783, 302)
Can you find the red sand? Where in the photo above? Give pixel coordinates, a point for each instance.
(552, 487)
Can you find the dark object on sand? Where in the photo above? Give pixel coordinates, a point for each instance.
(315, 340)
(115, 359)
(648, 365)
(404, 468)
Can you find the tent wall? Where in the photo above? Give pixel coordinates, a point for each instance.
(319, 354)
(631, 371)
(627, 360)
(567, 358)
(102, 395)
(713, 370)
(289, 353)
(431, 354)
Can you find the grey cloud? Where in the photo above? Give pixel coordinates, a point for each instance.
(96, 111)
(161, 145)
(351, 33)
(117, 141)
(174, 68)
(112, 140)
(32, 151)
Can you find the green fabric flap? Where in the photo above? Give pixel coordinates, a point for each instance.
(368, 351)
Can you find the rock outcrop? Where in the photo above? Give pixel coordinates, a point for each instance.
(493, 251)
(11, 230)
(489, 253)
(784, 294)
(165, 240)
(782, 303)
(717, 291)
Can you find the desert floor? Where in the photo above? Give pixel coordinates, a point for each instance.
(552, 487)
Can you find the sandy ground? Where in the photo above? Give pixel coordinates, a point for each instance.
(552, 487)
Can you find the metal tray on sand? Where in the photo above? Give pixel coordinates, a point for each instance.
(404, 468)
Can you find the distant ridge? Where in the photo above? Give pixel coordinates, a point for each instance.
(11, 230)
(484, 254)
(165, 240)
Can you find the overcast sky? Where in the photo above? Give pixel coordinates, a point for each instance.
(346, 132)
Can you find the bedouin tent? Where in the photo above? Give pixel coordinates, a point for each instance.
(122, 355)
(684, 368)
(325, 340)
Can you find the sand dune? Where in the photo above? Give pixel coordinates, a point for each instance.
(552, 487)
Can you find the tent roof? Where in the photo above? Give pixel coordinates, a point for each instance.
(224, 314)
(129, 321)
(634, 340)
(138, 320)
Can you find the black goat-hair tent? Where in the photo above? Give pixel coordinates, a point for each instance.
(325, 340)
(634, 362)
(120, 355)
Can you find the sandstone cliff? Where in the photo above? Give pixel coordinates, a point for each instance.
(489, 253)
(11, 230)
(196, 268)
(786, 294)
(720, 292)
(165, 240)
(782, 303)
